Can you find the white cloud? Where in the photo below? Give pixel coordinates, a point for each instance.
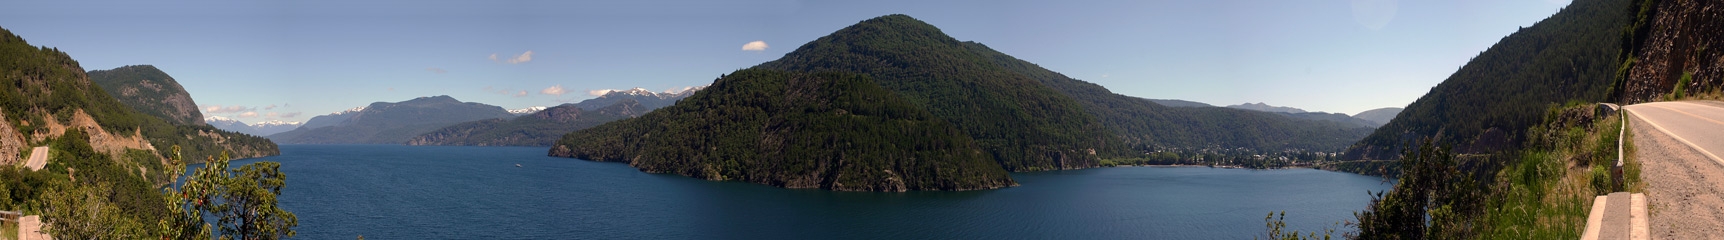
(518, 59)
(524, 57)
(441, 71)
(554, 90)
(600, 92)
(291, 114)
(523, 93)
(754, 46)
(248, 115)
(683, 89)
(270, 107)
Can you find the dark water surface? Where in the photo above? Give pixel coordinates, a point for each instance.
(427, 192)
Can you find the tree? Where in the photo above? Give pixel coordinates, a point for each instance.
(243, 200)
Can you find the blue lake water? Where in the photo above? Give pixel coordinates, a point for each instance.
(432, 192)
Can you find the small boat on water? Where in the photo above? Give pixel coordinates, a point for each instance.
(517, 165)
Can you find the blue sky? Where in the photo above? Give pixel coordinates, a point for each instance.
(291, 60)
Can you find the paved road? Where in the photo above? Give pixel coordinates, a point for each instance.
(1677, 144)
(38, 158)
(1699, 125)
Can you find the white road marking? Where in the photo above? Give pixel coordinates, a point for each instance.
(1679, 138)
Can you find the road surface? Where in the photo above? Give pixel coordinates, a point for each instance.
(1677, 145)
(38, 158)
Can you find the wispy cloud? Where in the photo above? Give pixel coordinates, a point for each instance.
(523, 93)
(441, 71)
(684, 89)
(248, 114)
(754, 46)
(219, 109)
(270, 107)
(518, 59)
(291, 114)
(554, 90)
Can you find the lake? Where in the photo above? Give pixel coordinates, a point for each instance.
(435, 192)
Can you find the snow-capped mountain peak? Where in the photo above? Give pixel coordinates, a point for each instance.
(275, 123)
(351, 110)
(213, 118)
(528, 110)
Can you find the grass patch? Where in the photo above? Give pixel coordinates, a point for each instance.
(1548, 191)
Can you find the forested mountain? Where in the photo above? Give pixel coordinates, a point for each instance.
(541, 128)
(1262, 107)
(648, 100)
(1179, 103)
(391, 123)
(151, 91)
(107, 160)
(1488, 103)
(1147, 126)
(1022, 124)
(49, 94)
(837, 131)
(1379, 116)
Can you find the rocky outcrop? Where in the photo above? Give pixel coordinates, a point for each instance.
(1673, 39)
(150, 91)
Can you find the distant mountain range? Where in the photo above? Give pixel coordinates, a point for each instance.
(389, 123)
(264, 128)
(1179, 103)
(647, 99)
(1261, 107)
(544, 127)
(1380, 116)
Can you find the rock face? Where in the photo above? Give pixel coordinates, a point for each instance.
(391, 123)
(151, 91)
(835, 131)
(541, 128)
(1674, 39)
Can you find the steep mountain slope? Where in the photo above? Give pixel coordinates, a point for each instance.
(1489, 103)
(1261, 107)
(647, 99)
(151, 91)
(541, 128)
(1379, 116)
(796, 130)
(392, 123)
(48, 94)
(331, 119)
(1675, 45)
(1024, 125)
(1147, 126)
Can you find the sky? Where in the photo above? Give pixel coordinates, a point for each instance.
(292, 60)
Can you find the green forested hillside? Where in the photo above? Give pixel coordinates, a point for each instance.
(112, 188)
(1488, 103)
(1149, 126)
(45, 82)
(1022, 124)
(833, 131)
(150, 91)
